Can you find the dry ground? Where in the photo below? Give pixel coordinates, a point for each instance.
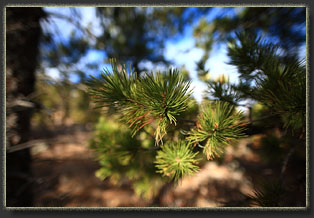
(64, 169)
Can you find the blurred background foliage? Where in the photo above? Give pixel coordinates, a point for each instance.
(123, 157)
(138, 36)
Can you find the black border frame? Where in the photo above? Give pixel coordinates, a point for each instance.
(300, 212)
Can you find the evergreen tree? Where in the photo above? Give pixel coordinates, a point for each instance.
(137, 35)
(154, 103)
(131, 34)
(289, 33)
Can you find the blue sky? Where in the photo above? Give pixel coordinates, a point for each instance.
(174, 51)
(182, 52)
(216, 63)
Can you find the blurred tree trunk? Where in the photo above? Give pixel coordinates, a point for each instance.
(65, 95)
(23, 33)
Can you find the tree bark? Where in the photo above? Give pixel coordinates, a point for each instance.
(23, 33)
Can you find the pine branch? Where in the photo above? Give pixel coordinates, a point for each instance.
(176, 160)
(223, 90)
(153, 98)
(280, 82)
(186, 121)
(157, 201)
(217, 127)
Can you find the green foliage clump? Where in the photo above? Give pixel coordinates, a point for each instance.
(217, 125)
(270, 23)
(223, 90)
(122, 156)
(176, 159)
(267, 76)
(277, 81)
(159, 101)
(153, 98)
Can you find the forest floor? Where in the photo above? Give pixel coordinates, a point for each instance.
(64, 170)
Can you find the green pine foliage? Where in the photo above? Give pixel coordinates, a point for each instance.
(223, 90)
(268, 76)
(160, 103)
(112, 89)
(217, 125)
(155, 100)
(151, 99)
(176, 159)
(277, 81)
(122, 157)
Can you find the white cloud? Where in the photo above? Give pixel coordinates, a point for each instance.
(185, 53)
(53, 73)
(89, 17)
(217, 65)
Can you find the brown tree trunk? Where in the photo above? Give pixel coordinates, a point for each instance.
(23, 33)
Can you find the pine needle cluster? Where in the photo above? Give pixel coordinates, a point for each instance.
(217, 125)
(274, 78)
(176, 159)
(154, 98)
(158, 99)
(223, 90)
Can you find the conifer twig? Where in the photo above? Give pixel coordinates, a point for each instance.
(253, 121)
(152, 136)
(240, 124)
(263, 118)
(285, 162)
(186, 120)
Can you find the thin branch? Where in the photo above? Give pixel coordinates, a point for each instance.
(240, 124)
(151, 148)
(148, 133)
(157, 200)
(285, 162)
(25, 145)
(187, 121)
(74, 22)
(252, 121)
(263, 118)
